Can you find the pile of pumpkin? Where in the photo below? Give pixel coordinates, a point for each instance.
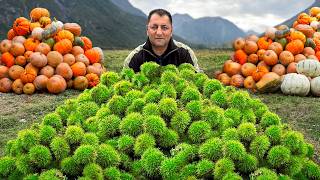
(41, 54)
(283, 58)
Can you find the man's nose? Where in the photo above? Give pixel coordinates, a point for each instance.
(159, 30)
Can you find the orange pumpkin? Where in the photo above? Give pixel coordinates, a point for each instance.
(5, 45)
(300, 57)
(64, 70)
(43, 48)
(4, 71)
(276, 47)
(29, 88)
(38, 59)
(47, 71)
(297, 35)
(27, 77)
(253, 58)
(64, 46)
(247, 69)
(17, 49)
(240, 56)
(37, 13)
(21, 26)
(82, 58)
(17, 86)
(314, 11)
(262, 63)
(40, 82)
(31, 69)
(80, 83)
(238, 43)
(5, 85)
(93, 80)
(44, 21)
(56, 84)
(317, 42)
(11, 34)
(27, 55)
(15, 71)
(87, 43)
(249, 83)
(69, 59)
(292, 67)
(78, 69)
(76, 50)
(19, 39)
(252, 37)
(303, 18)
(224, 79)
(307, 51)
(7, 59)
(30, 44)
(279, 69)
(286, 57)
(295, 47)
(263, 43)
(93, 55)
(74, 28)
(20, 60)
(260, 71)
(237, 81)
(34, 25)
(54, 58)
(270, 58)
(64, 34)
(250, 47)
(97, 68)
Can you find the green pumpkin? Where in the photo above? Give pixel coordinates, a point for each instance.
(282, 33)
(78, 42)
(283, 42)
(50, 42)
(50, 32)
(310, 43)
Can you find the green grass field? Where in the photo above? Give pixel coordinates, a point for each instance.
(20, 111)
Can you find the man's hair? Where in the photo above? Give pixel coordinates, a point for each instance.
(160, 12)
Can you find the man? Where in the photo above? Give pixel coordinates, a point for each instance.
(160, 47)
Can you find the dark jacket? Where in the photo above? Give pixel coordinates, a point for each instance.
(176, 53)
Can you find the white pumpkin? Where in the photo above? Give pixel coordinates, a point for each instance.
(315, 86)
(295, 84)
(314, 25)
(270, 32)
(37, 33)
(309, 67)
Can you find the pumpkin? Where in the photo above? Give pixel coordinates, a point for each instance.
(299, 57)
(309, 67)
(250, 47)
(5, 45)
(76, 50)
(47, 71)
(93, 55)
(260, 71)
(270, 33)
(249, 83)
(21, 26)
(27, 55)
(279, 69)
(54, 58)
(297, 35)
(252, 37)
(78, 69)
(307, 51)
(74, 28)
(19, 39)
(286, 57)
(283, 42)
(282, 33)
(27, 77)
(80, 83)
(20, 60)
(43, 48)
(17, 49)
(276, 47)
(270, 57)
(314, 11)
(253, 58)
(269, 82)
(303, 18)
(260, 54)
(37, 33)
(317, 43)
(295, 84)
(314, 25)
(64, 34)
(312, 57)
(262, 63)
(69, 59)
(17, 86)
(93, 79)
(4, 71)
(34, 25)
(7, 59)
(31, 69)
(247, 69)
(263, 43)
(40, 82)
(29, 88)
(38, 59)
(5, 85)
(87, 43)
(224, 79)
(315, 86)
(101, 54)
(44, 21)
(69, 84)
(11, 34)
(50, 30)
(78, 42)
(37, 13)
(50, 42)
(56, 84)
(30, 44)
(295, 47)
(292, 68)
(82, 58)
(237, 80)
(57, 24)
(15, 71)
(238, 43)
(64, 70)
(305, 29)
(240, 56)
(64, 46)
(97, 68)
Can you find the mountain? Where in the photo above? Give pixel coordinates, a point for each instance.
(126, 6)
(290, 21)
(101, 20)
(252, 32)
(208, 31)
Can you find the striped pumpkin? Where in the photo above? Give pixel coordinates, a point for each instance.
(309, 67)
(295, 84)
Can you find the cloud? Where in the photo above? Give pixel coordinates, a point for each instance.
(246, 14)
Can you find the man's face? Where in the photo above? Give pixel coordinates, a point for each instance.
(159, 30)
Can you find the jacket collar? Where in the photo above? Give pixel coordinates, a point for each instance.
(171, 47)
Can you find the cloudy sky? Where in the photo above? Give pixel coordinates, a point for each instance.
(246, 14)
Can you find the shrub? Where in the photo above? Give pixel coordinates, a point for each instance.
(234, 150)
(248, 116)
(311, 170)
(188, 171)
(247, 131)
(210, 86)
(169, 77)
(169, 138)
(263, 173)
(187, 74)
(132, 124)
(190, 94)
(143, 142)
(91, 124)
(211, 149)
(151, 109)
(274, 133)
(85, 154)
(295, 142)
(90, 139)
(152, 96)
(167, 91)
(150, 70)
(133, 95)
(53, 174)
(28, 138)
(52, 119)
(154, 125)
(151, 160)
(168, 106)
(140, 80)
(233, 114)
(109, 78)
(219, 98)
(122, 87)
(101, 94)
(7, 165)
(136, 106)
(112, 173)
(93, 171)
(230, 134)
(214, 116)
(70, 167)
(248, 163)
(125, 143)
(60, 148)
(194, 108)
(87, 109)
(117, 105)
(199, 80)
(186, 66)
(269, 119)
(222, 167)
(180, 121)
(108, 127)
(74, 134)
(107, 156)
(127, 74)
(279, 156)
(199, 131)
(204, 168)
(40, 156)
(46, 134)
(240, 100)
(259, 146)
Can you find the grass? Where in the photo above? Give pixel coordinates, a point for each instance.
(20, 111)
